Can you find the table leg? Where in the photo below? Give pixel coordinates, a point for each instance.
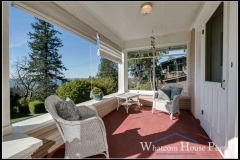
(118, 104)
(138, 103)
(127, 106)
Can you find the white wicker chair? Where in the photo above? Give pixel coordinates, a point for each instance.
(165, 105)
(82, 138)
(172, 107)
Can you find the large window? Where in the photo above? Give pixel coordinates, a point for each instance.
(50, 50)
(170, 62)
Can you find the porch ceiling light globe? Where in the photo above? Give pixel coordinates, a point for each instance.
(146, 8)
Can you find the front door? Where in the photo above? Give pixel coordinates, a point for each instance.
(213, 85)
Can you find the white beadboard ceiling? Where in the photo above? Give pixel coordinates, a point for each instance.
(124, 18)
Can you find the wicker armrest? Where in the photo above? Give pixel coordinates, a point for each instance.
(87, 111)
(93, 108)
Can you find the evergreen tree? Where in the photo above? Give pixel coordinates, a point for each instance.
(108, 68)
(45, 63)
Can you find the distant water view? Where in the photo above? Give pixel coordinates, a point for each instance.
(12, 81)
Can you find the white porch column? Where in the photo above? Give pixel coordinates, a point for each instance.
(6, 126)
(125, 70)
(122, 74)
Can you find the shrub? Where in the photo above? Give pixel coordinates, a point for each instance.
(14, 105)
(36, 107)
(146, 86)
(23, 102)
(15, 110)
(79, 90)
(107, 85)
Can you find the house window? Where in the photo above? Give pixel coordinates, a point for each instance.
(214, 46)
(171, 67)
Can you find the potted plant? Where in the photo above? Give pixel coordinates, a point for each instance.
(97, 93)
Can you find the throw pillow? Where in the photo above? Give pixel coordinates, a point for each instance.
(68, 111)
(175, 91)
(164, 94)
(167, 94)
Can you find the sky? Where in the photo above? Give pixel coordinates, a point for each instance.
(76, 54)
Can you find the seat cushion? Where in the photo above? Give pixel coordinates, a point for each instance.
(67, 110)
(175, 91)
(164, 94)
(161, 100)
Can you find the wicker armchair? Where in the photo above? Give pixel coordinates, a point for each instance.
(169, 106)
(82, 138)
(172, 107)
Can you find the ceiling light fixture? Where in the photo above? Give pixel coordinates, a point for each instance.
(146, 8)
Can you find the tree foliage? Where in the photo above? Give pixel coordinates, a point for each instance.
(145, 86)
(23, 78)
(45, 63)
(141, 69)
(108, 68)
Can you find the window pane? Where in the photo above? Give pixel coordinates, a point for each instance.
(214, 46)
(166, 51)
(173, 70)
(171, 67)
(140, 74)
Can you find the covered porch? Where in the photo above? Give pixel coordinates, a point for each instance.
(122, 27)
(130, 135)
